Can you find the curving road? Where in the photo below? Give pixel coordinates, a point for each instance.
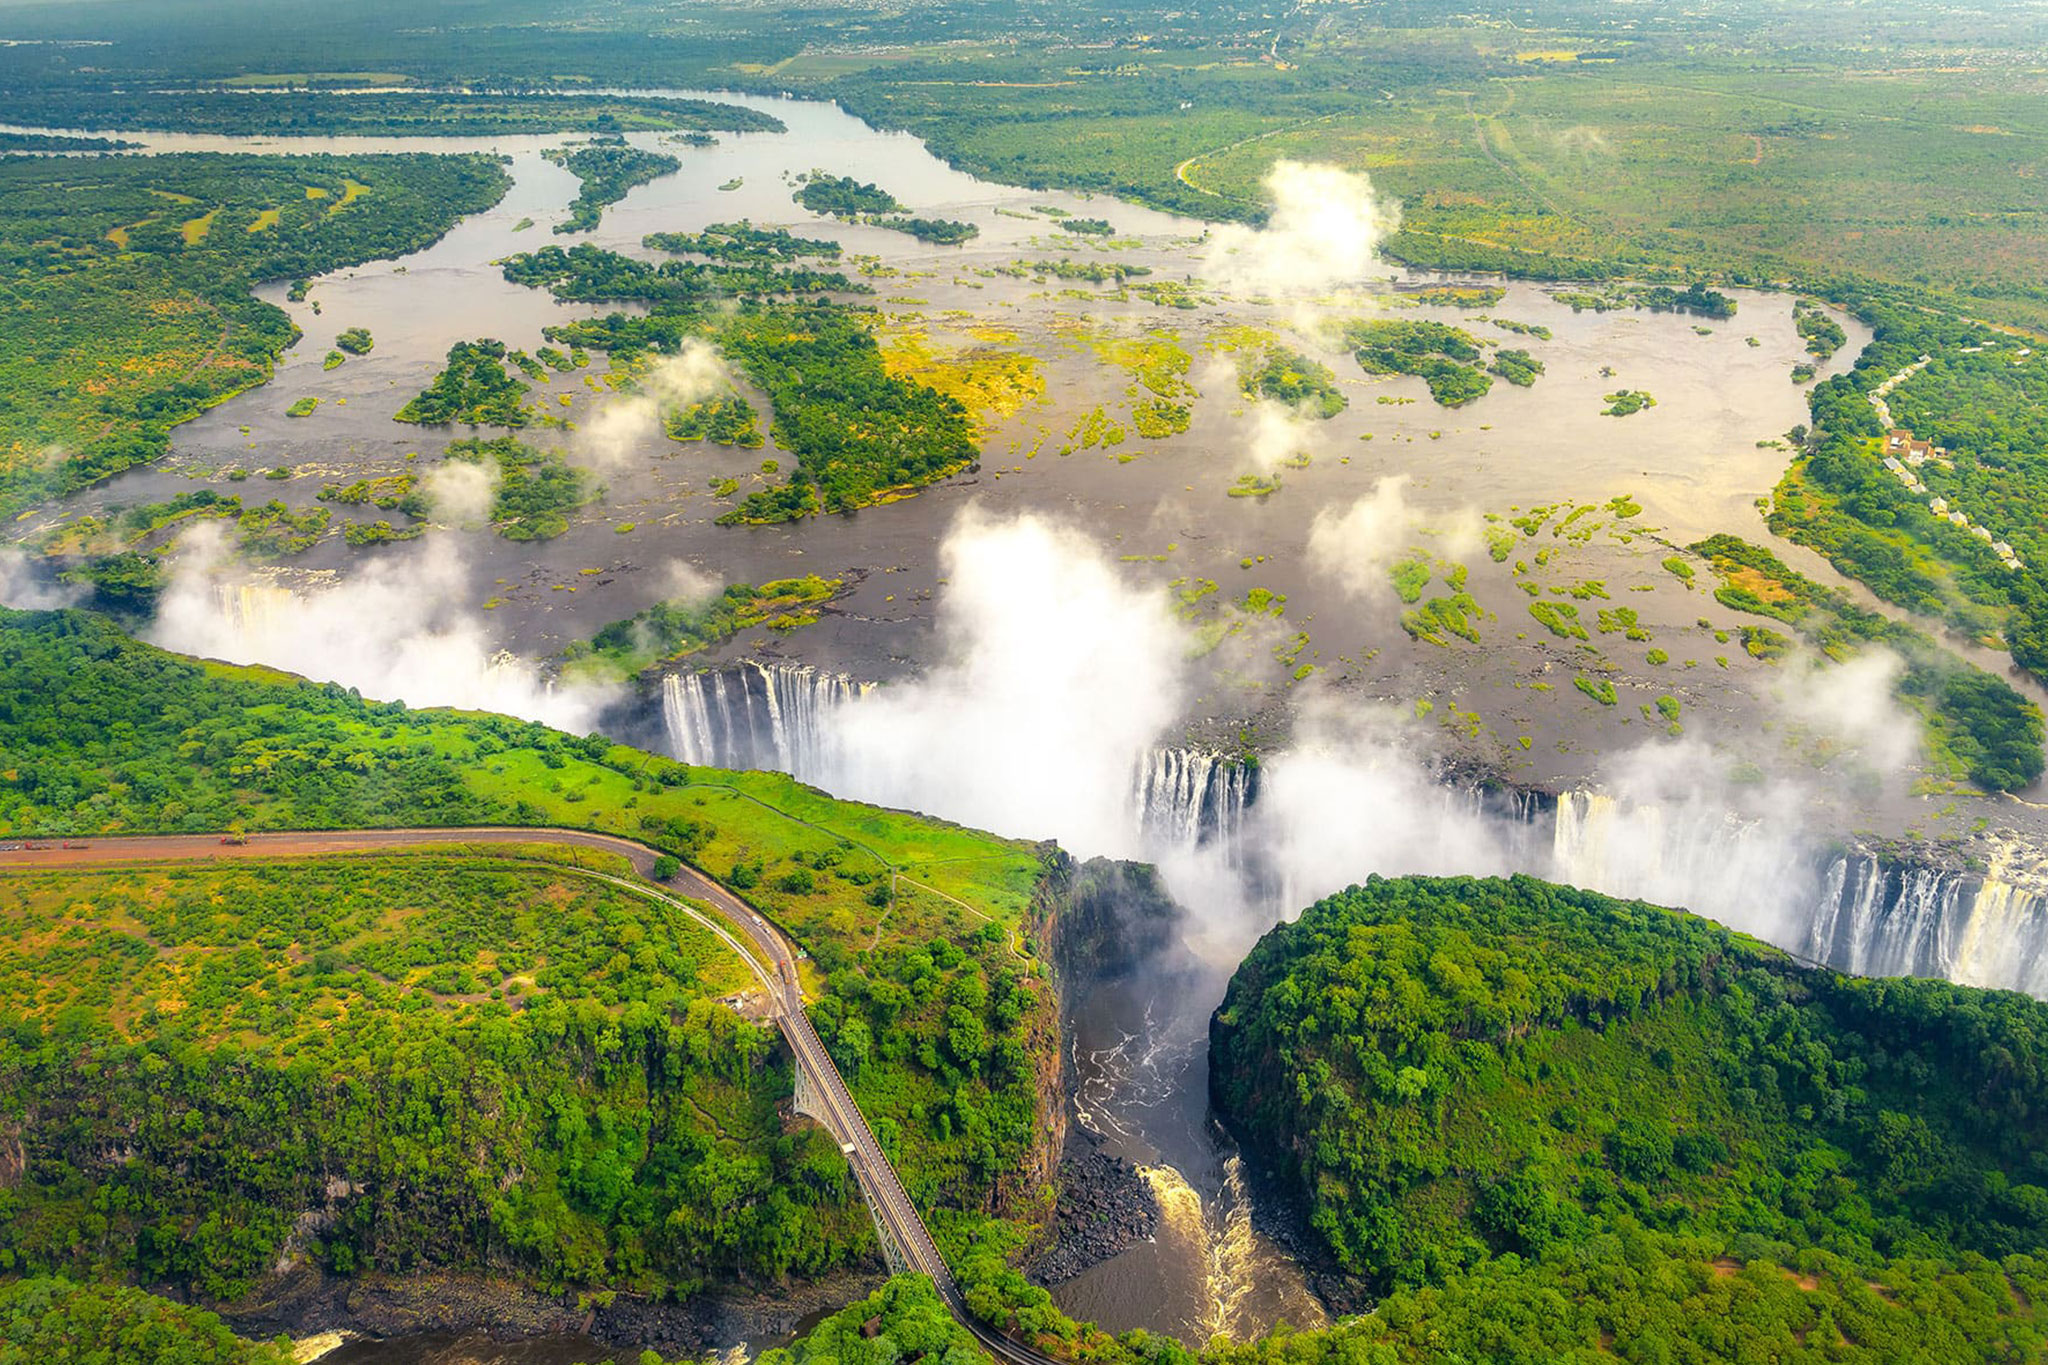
(769, 955)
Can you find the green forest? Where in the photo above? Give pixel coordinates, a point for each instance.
(388, 113)
(1491, 1096)
(91, 384)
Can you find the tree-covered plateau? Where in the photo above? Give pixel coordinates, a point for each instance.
(1545, 1124)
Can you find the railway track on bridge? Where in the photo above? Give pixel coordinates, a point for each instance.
(770, 956)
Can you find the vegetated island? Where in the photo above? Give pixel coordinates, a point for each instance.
(609, 172)
(1532, 1122)
(843, 197)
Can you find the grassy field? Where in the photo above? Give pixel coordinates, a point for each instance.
(1909, 167)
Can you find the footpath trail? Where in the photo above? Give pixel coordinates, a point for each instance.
(770, 956)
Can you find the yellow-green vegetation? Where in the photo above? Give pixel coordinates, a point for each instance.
(991, 383)
(1156, 360)
(1410, 577)
(1156, 419)
(1263, 602)
(668, 631)
(121, 324)
(303, 407)
(1452, 613)
(1094, 428)
(1627, 402)
(1599, 689)
(1624, 621)
(1598, 1129)
(1560, 619)
(1254, 486)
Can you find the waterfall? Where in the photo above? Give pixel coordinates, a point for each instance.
(1856, 911)
(1185, 799)
(1988, 929)
(756, 715)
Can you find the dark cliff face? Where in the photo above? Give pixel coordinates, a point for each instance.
(1104, 919)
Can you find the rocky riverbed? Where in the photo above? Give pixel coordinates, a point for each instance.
(1105, 1207)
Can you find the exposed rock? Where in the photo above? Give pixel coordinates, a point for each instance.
(1105, 1207)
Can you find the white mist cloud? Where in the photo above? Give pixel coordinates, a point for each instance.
(1675, 826)
(26, 588)
(1277, 435)
(1350, 797)
(630, 424)
(1325, 229)
(1059, 675)
(682, 581)
(460, 492)
(1355, 545)
(1853, 705)
(396, 631)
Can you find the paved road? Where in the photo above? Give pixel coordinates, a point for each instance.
(768, 954)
